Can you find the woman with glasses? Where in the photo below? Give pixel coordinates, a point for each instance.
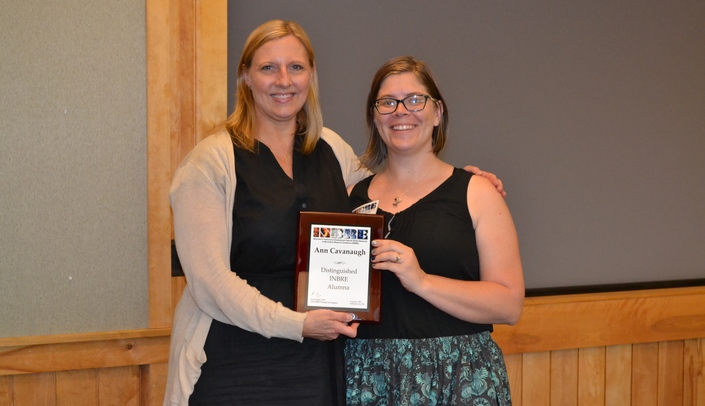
(451, 258)
(235, 200)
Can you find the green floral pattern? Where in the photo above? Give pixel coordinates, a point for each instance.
(462, 370)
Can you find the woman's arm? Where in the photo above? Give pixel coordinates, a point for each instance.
(202, 241)
(200, 194)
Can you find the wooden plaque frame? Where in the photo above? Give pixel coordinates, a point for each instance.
(310, 219)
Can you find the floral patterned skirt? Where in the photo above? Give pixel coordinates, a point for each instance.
(459, 370)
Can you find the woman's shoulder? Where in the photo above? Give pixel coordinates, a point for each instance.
(215, 149)
(213, 158)
(483, 197)
(335, 141)
(353, 171)
(480, 185)
(329, 135)
(216, 143)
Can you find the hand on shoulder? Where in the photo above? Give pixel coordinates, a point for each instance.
(497, 182)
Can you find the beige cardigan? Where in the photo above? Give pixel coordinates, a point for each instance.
(202, 197)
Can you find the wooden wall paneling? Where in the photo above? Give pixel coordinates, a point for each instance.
(119, 386)
(211, 65)
(564, 377)
(79, 387)
(536, 379)
(153, 384)
(182, 76)
(186, 92)
(605, 319)
(645, 374)
(83, 355)
(513, 363)
(5, 390)
(591, 376)
(618, 375)
(172, 105)
(34, 389)
(670, 373)
(694, 372)
(60, 369)
(199, 72)
(159, 91)
(26, 355)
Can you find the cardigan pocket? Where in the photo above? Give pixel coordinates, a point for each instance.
(191, 360)
(192, 355)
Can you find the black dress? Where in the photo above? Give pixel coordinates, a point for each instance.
(245, 368)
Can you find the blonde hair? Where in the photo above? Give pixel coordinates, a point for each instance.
(241, 123)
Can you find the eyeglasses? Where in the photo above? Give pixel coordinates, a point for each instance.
(413, 103)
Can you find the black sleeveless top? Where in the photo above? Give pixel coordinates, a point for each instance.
(439, 229)
(267, 205)
(245, 368)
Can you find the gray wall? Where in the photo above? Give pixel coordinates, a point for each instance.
(593, 114)
(73, 237)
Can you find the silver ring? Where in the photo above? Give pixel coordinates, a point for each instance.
(398, 259)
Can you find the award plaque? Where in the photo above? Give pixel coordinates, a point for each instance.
(333, 264)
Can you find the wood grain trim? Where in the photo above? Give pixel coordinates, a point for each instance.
(159, 93)
(83, 351)
(605, 319)
(84, 337)
(186, 95)
(211, 65)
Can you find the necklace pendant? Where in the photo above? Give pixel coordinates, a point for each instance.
(396, 201)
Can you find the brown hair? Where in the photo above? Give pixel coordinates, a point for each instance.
(241, 123)
(375, 155)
